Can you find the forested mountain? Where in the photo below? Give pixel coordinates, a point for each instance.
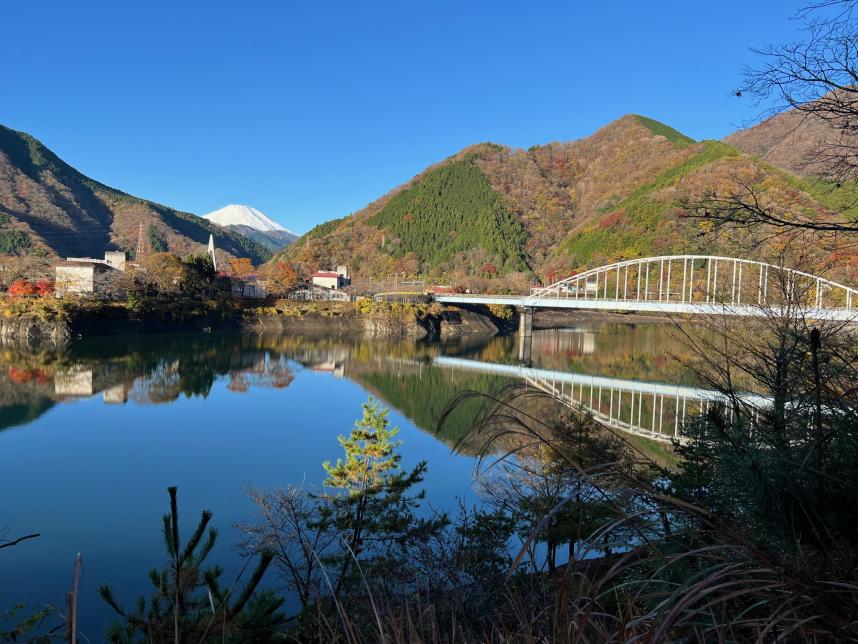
(273, 240)
(492, 210)
(790, 140)
(49, 208)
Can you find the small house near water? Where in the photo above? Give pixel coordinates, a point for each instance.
(332, 279)
(82, 275)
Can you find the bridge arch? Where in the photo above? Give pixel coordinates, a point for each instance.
(695, 284)
(702, 279)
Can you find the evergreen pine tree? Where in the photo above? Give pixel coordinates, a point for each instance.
(189, 604)
(371, 503)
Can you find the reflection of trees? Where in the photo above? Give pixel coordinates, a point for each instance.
(161, 385)
(167, 380)
(160, 368)
(237, 382)
(196, 379)
(273, 372)
(152, 369)
(619, 350)
(196, 376)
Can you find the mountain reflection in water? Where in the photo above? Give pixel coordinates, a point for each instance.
(159, 369)
(102, 428)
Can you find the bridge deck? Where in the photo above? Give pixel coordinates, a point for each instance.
(640, 306)
(692, 284)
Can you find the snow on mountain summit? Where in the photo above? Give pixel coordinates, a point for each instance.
(240, 215)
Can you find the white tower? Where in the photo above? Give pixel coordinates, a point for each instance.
(212, 252)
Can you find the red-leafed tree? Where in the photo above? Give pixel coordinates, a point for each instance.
(45, 287)
(241, 266)
(20, 288)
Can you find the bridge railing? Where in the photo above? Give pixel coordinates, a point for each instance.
(702, 279)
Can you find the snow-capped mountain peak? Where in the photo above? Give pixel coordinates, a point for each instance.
(241, 215)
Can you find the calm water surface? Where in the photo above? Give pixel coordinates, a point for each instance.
(90, 438)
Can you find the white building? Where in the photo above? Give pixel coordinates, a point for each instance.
(332, 279)
(83, 275)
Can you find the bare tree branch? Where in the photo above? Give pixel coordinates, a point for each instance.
(15, 542)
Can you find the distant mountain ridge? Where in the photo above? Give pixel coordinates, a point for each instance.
(50, 208)
(253, 224)
(492, 210)
(485, 211)
(788, 140)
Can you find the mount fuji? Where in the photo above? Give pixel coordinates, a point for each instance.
(251, 223)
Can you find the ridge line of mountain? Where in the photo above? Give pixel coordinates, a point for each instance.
(49, 208)
(488, 211)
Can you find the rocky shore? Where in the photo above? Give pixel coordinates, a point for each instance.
(40, 324)
(55, 326)
(382, 321)
(27, 332)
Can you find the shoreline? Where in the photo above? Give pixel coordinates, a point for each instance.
(40, 324)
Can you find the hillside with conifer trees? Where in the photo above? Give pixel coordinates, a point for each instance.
(493, 211)
(48, 208)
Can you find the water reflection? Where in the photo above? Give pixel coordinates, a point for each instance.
(106, 425)
(651, 352)
(160, 369)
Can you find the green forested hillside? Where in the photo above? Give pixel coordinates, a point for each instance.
(640, 225)
(561, 207)
(453, 209)
(657, 127)
(324, 228)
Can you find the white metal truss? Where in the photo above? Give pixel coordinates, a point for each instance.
(702, 284)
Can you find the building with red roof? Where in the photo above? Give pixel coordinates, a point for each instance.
(331, 279)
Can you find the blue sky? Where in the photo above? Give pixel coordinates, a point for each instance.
(308, 111)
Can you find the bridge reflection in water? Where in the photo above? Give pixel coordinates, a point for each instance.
(653, 410)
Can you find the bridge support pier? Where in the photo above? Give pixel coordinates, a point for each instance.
(525, 335)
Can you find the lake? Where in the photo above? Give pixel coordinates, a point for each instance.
(91, 437)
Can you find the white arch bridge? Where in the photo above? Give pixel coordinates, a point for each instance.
(695, 284)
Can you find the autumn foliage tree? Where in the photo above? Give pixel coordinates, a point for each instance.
(45, 287)
(282, 278)
(20, 288)
(164, 273)
(241, 266)
(409, 264)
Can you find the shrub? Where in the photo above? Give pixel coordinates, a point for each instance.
(44, 287)
(22, 287)
(501, 311)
